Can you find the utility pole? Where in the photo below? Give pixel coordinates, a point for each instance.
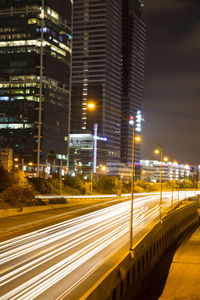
(70, 95)
(40, 99)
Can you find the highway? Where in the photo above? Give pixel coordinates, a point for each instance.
(67, 258)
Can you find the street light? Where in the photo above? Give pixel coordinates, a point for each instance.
(174, 162)
(158, 150)
(92, 106)
(104, 169)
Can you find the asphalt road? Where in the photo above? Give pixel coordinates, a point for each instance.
(69, 257)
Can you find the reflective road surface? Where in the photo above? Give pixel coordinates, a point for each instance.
(67, 258)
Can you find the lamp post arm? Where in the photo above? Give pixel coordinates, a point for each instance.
(123, 116)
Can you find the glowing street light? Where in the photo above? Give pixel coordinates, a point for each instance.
(138, 139)
(91, 105)
(104, 168)
(130, 120)
(156, 151)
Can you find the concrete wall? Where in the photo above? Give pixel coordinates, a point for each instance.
(129, 273)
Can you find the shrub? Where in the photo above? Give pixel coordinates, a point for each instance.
(57, 201)
(18, 196)
(41, 185)
(106, 184)
(138, 189)
(75, 182)
(6, 179)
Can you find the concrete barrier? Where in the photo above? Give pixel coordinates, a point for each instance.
(130, 272)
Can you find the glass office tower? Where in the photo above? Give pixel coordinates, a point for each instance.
(20, 80)
(133, 60)
(108, 69)
(96, 72)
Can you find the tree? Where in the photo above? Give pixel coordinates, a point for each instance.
(51, 158)
(75, 183)
(106, 184)
(9, 178)
(18, 196)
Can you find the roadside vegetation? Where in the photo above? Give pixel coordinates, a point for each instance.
(16, 190)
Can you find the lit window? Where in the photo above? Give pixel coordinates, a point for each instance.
(32, 21)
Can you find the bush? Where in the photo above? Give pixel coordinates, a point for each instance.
(41, 185)
(138, 189)
(6, 179)
(106, 184)
(75, 182)
(18, 196)
(57, 201)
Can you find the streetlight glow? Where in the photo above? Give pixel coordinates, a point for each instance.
(91, 105)
(138, 138)
(103, 168)
(165, 159)
(156, 151)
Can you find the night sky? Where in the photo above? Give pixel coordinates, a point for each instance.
(172, 78)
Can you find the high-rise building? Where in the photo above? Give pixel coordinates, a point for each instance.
(96, 71)
(27, 28)
(108, 68)
(133, 59)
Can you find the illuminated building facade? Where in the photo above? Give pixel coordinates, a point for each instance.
(150, 170)
(133, 59)
(96, 70)
(108, 68)
(20, 80)
(83, 153)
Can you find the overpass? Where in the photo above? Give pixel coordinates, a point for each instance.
(88, 257)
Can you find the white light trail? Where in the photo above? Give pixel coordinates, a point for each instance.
(55, 252)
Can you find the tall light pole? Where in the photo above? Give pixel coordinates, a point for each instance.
(40, 99)
(92, 106)
(161, 171)
(70, 94)
(132, 188)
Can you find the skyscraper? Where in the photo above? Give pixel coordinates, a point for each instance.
(96, 73)
(133, 59)
(24, 24)
(108, 68)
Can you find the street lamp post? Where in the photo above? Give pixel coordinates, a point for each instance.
(159, 151)
(161, 169)
(40, 99)
(132, 188)
(126, 118)
(161, 172)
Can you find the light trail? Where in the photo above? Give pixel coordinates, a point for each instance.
(34, 262)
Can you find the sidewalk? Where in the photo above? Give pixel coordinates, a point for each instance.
(183, 281)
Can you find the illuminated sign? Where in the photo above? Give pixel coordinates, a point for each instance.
(138, 121)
